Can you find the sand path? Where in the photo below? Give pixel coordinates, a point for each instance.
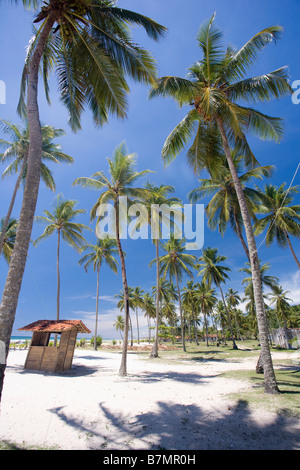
(174, 406)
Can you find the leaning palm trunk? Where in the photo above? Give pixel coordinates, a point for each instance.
(154, 352)
(14, 278)
(269, 375)
(292, 250)
(11, 205)
(123, 366)
(240, 235)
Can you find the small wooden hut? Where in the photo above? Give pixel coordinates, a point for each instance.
(41, 356)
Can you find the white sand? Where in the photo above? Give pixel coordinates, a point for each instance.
(179, 406)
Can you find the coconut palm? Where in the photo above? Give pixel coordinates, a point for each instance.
(98, 254)
(207, 299)
(16, 149)
(122, 178)
(148, 307)
(189, 301)
(156, 197)
(215, 87)
(137, 295)
(89, 46)
(223, 207)
(281, 301)
(215, 273)
(176, 263)
(119, 324)
(233, 299)
(281, 218)
(9, 237)
(61, 222)
(132, 304)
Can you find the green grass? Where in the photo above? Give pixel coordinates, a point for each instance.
(287, 402)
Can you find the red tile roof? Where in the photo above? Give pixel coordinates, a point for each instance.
(55, 326)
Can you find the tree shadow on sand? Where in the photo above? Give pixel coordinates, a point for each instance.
(172, 426)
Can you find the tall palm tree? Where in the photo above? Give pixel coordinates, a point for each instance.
(89, 45)
(137, 295)
(207, 299)
(156, 196)
(233, 300)
(98, 254)
(121, 305)
(265, 280)
(176, 263)
(189, 301)
(60, 221)
(119, 324)
(215, 273)
(281, 301)
(224, 205)
(281, 218)
(214, 88)
(122, 178)
(17, 149)
(148, 307)
(9, 237)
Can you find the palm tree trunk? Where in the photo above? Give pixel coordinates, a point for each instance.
(17, 264)
(58, 283)
(131, 331)
(269, 374)
(137, 325)
(97, 304)
(11, 205)
(292, 250)
(195, 327)
(240, 235)
(205, 322)
(154, 352)
(123, 366)
(180, 311)
(228, 317)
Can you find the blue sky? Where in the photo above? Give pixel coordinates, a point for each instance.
(144, 131)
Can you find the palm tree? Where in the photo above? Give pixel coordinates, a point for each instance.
(224, 205)
(122, 178)
(17, 149)
(215, 273)
(189, 301)
(100, 253)
(148, 307)
(156, 197)
(233, 300)
(119, 324)
(137, 295)
(131, 302)
(176, 263)
(281, 218)
(206, 298)
(9, 237)
(265, 280)
(61, 223)
(278, 296)
(215, 87)
(89, 46)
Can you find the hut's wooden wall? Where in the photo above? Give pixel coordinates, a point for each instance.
(51, 358)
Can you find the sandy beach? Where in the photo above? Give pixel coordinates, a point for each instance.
(159, 405)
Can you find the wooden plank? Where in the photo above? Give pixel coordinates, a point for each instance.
(34, 357)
